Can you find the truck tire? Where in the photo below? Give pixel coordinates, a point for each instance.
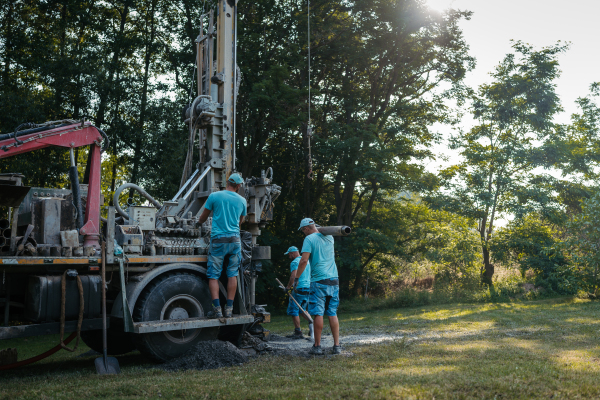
(117, 342)
(174, 295)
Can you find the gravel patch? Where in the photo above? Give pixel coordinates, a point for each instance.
(282, 345)
(207, 355)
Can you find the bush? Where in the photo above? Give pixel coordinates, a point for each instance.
(533, 245)
(457, 258)
(507, 289)
(583, 246)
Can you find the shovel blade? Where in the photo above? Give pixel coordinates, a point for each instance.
(110, 367)
(311, 331)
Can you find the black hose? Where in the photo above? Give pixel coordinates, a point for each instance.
(17, 133)
(106, 140)
(74, 175)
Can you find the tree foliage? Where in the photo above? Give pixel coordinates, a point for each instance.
(501, 154)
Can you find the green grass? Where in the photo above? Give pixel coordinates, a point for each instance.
(534, 349)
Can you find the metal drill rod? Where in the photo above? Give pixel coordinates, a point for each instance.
(197, 182)
(185, 185)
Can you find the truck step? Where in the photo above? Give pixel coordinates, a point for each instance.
(190, 323)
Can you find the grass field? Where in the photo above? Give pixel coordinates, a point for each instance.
(537, 349)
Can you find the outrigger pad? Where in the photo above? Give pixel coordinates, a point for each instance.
(12, 196)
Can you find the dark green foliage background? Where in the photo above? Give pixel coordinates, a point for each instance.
(383, 74)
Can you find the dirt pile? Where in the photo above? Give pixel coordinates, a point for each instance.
(207, 355)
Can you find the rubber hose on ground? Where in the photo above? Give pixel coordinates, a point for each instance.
(40, 356)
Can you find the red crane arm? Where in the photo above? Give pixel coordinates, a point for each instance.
(70, 136)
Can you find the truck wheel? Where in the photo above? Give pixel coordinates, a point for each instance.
(176, 295)
(117, 342)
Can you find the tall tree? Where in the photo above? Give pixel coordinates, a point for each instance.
(498, 173)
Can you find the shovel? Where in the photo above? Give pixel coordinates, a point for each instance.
(105, 365)
(311, 328)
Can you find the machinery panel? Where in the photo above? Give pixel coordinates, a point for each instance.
(144, 217)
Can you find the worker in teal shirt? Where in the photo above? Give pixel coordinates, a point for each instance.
(324, 296)
(228, 211)
(300, 292)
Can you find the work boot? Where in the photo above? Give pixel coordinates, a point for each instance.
(296, 335)
(337, 349)
(316, 350)
(215, 312)
(228, 311)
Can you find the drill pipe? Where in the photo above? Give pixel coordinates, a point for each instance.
(335, 230)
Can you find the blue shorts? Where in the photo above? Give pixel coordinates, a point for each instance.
(302, 299)
(218, 252)
(324, 299)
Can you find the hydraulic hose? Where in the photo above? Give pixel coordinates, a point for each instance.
(62, 311)
(38, 357)
(139, 190)
(106, 140)
(74, 177)
(18, 133)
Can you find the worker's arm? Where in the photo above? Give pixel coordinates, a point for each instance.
(302, 264)
(204, 216)
(291, 281)
(242, 219)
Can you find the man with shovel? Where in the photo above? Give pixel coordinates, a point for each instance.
(300, 292)
(324, 282)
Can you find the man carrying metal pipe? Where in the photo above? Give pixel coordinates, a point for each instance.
(324, 296)
(300, 292)
(229, 209)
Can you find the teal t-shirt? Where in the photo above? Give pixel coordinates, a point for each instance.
(227, 208)
(304, 279)
(322, 256)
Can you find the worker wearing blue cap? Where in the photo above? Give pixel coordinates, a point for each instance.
(300, 293)
(324, 298)
(228, 210)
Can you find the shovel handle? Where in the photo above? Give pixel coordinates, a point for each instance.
(307, 315)
(104, 341)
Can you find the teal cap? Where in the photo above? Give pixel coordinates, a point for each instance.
(306, 222)
(236, 178)
(291, 250)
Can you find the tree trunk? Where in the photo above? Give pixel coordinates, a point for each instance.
(106, 89)
(358, 281)
(8, 33)
(59, 77)
(137, 155)
(488, 271)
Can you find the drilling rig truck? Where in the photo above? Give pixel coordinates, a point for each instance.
(55, 245)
